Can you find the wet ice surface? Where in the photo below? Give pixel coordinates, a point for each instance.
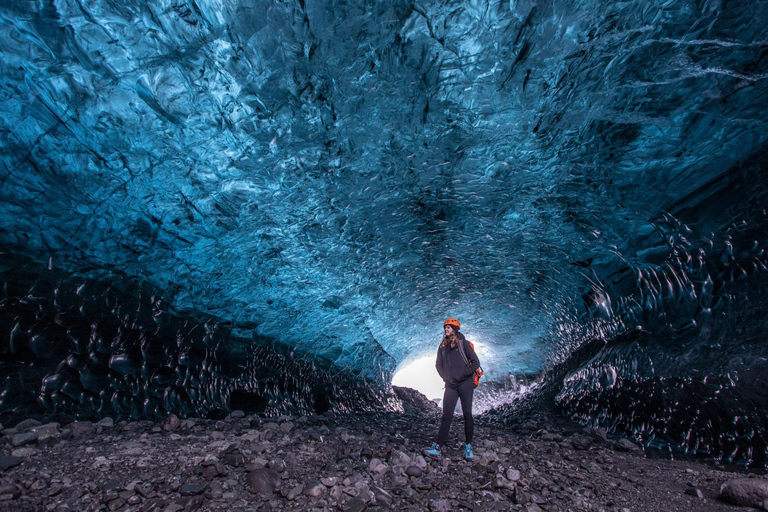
(341, 177)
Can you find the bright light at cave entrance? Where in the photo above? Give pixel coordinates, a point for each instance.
(421, 376)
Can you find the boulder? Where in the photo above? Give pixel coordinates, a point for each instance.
(581, 442)
(625, 445)
(415, 471)
(745, 492)
(263, 481)
(7, 462)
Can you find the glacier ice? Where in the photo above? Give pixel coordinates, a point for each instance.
(341, 176)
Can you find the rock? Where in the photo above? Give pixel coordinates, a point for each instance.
(546, 436)
(171, 423)
(499, 482)
(381, 496)
(106, 423)
(521, 497)
(23, 438)
(356, 505)
(693, 491)
(599, 434)
(745, 492)
(25, 452)
(581, 442)
(440, 506)
(414, 401)
(513, 475)
(625, 445)
(7, 462)
(377, 466)
(47, 431)
(294, 492)
(277, 465)
(192, 489)
(329, 481)
(314, 490)
(193, 503)
(216, 490)
(232, 456)
(263, 481)
(116, 504)
(286, 427)
(27, 424)
(81, 428)
(413, 471)
(399, 457)
(9, 491)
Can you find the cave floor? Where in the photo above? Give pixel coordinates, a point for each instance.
(340, 462)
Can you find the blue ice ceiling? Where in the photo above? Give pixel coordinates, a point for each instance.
(344, 175)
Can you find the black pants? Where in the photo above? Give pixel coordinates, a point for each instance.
(465, 391)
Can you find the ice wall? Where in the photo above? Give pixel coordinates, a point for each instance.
(343, 174)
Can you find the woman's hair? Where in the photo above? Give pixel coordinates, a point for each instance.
(450, 341)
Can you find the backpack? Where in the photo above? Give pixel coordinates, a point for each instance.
(479, 370)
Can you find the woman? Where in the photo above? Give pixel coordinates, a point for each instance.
(457, 371)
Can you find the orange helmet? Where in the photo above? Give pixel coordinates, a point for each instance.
(453, 322)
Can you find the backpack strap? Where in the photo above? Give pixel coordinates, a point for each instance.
(461, 348)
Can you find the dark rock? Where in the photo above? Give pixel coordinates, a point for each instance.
(263, 481)
(48, 431)
(23, 438)
(745, 492)
(599, 434)
(413, 471)
(112, 485)
(144, 490)
(192, 489)
(693, 491)
(294, 492)
(440, 506)
(116, 504)
(171, 423)
(356, 505)
(493, 467)
(415, 402)
(81, 428)
(27, 424)
(521, 497)
(382, 497)
(193, 503)
(625, 445)
(581, 442)
(152, 505)
(314, 490)
(233, 457)
(10, 490)
(106, 423)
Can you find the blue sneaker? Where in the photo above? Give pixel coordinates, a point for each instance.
(468, 455)
(433, 451)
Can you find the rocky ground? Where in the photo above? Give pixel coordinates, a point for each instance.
(349, 463)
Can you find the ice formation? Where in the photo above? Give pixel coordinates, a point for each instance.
(319, 184)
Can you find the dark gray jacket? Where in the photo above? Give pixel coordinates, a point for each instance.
(452, 368)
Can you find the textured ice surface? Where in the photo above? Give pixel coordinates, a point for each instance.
(338, 174)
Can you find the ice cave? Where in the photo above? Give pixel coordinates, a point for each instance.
(272, 206)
